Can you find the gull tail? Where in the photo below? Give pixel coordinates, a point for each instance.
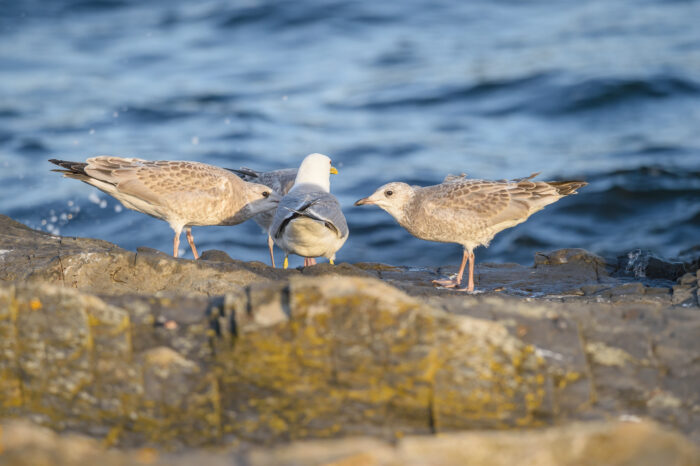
(566, 188)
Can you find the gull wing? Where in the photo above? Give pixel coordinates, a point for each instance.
(317, 205)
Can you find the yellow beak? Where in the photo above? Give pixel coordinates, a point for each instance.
(334, 171)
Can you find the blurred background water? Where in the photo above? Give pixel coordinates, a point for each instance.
(606, 91)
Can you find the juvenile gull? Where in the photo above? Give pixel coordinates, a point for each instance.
(184, 194)
(467, 211)
(281, 181)
(308, 221)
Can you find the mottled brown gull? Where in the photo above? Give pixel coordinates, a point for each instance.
(184, 194)
(467, 211)
(281, 181)
(308, 221)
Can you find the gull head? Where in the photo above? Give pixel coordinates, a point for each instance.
(315, 169)
(261, 198)
(392, 197)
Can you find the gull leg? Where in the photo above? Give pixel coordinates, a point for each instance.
(312, 261)
(270, 244)
(452, 283)
(190, 239)
(470, 286)
(332, 262)
(306, 261)
(470, 283)
(285, 264)
(176, 242)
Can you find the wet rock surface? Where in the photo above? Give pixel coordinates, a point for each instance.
(143, 350)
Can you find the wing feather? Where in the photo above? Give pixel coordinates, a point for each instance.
(317, 205)
(493, 202)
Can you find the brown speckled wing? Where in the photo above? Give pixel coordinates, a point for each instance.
(472, 198)
(160, 182)
(493, 202)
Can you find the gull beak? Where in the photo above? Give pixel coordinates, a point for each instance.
(364, 201)
(334, 171)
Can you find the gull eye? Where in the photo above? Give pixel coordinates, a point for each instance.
(388, 192)
(266, 193)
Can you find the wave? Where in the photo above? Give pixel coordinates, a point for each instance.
(598, 93)
(544, 94)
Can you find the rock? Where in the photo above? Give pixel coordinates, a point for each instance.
(612, 443)
(101, 267)
(24, 444)
(643, 264)
(684, 295)
(568, 256)
(216, 255)
(254, 364)
(378, 359)
(627, 289)
(140, 349)
(688, 279)
(589, 290)
(615, 443)
(657, 291)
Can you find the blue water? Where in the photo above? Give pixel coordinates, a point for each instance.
(603, 91)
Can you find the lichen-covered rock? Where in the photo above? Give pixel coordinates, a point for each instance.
(142, 349)
(309, 359)
(379, 361)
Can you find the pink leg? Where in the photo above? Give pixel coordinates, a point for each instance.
(470, 283)
(471, 272)
(176, 243)
(309, 261)
(270, 244)
(452, 283)
(190, 239)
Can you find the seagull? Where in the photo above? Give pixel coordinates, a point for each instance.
(281, 181)
(184, 194)
(466, 211)
(308, 221)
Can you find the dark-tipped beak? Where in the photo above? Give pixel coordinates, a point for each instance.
(364, 201)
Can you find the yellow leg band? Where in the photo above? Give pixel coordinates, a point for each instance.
(286, 262)
(332, 262)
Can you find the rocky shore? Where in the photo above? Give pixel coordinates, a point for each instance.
(145, 354)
